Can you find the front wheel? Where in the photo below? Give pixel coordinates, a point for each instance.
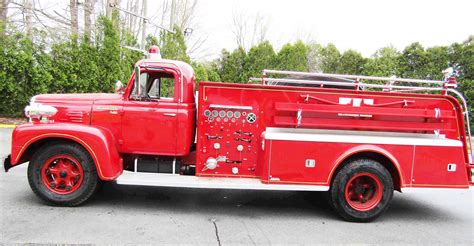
(63, 174)
(361, 190)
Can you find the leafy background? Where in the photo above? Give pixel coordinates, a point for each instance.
(28, 67)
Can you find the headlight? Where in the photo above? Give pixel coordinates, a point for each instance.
(38, 111)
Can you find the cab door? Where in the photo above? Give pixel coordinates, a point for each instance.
(149, 123)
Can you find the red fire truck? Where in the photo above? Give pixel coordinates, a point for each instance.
(352, 137)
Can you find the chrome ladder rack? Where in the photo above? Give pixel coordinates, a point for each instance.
(358, 82)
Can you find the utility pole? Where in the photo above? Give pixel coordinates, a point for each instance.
(145, 18)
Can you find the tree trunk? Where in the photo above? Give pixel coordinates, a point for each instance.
(144, 12)
(27, 17)
(172, 13)
(3, 16)
(88, 11)
(74, 17)
(111, 4)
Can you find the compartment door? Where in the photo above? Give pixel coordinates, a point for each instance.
(439, 166)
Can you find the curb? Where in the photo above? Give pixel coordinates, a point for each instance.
(7, 126)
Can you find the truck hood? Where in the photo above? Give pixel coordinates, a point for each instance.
(79, 98)
(74, 108)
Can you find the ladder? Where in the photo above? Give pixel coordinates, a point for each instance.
(360, 82)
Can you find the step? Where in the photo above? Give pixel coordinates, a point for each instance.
(174, 180)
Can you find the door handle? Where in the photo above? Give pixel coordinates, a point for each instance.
(170, 114)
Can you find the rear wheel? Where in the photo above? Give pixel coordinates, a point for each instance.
(63, 174)
(361, 191)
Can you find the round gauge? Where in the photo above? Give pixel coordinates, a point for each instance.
(222, 113)
(230, 114)
(215, 113)
(237, 114)
(210, 119)
(218, 119)
(251, 118)
(207, 112)
(226, 119)
(233, 120)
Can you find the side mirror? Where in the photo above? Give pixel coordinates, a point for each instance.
(119, 87)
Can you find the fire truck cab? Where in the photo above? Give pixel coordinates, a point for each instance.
(357, 138)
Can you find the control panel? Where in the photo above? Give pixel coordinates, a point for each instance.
(228, 140)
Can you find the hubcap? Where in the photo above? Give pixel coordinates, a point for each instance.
(62, 174)
(364, 191)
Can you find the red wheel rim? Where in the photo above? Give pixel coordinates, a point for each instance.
(364, 191)
(62, 174)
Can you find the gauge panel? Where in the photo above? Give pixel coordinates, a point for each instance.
(235, 131)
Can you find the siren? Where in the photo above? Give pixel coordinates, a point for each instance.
(154, 53)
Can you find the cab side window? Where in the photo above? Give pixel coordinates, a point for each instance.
(154, 85)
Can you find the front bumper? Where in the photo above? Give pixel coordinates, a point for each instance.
(7, 163)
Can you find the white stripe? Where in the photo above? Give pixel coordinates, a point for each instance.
(332, 136)
(421, 189)
(170, 180)
(230, 107)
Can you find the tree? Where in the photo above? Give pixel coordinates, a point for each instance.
(3, 16)
(88, 11)
(438, 60)
(330, 58)
(27, 13)
(461, 57)
(385, 62)
(205, 72)
(413, 61)
(259, 57)
(74, 18)
(293, 57)
(173, 45)
(244, 30)
(232, 65)
(109, 54)
(351, 62)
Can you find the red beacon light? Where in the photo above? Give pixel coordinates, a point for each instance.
(154, 53)
(449, 78)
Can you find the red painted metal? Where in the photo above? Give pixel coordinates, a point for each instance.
(99, 143)
(282, 161)
(231, 124)
(62, 174)
(363, 191)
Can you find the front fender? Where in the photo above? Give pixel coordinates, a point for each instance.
(98, 142)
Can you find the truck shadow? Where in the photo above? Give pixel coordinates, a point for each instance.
(248, 203)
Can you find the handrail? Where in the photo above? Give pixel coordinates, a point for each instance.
(356, 77)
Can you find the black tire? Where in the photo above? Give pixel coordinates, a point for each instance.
(367, 179)
(82, 190)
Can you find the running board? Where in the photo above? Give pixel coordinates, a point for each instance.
(174, 180)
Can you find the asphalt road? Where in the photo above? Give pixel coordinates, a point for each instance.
(145, 215)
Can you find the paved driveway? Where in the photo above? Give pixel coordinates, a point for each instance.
(145, 215)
